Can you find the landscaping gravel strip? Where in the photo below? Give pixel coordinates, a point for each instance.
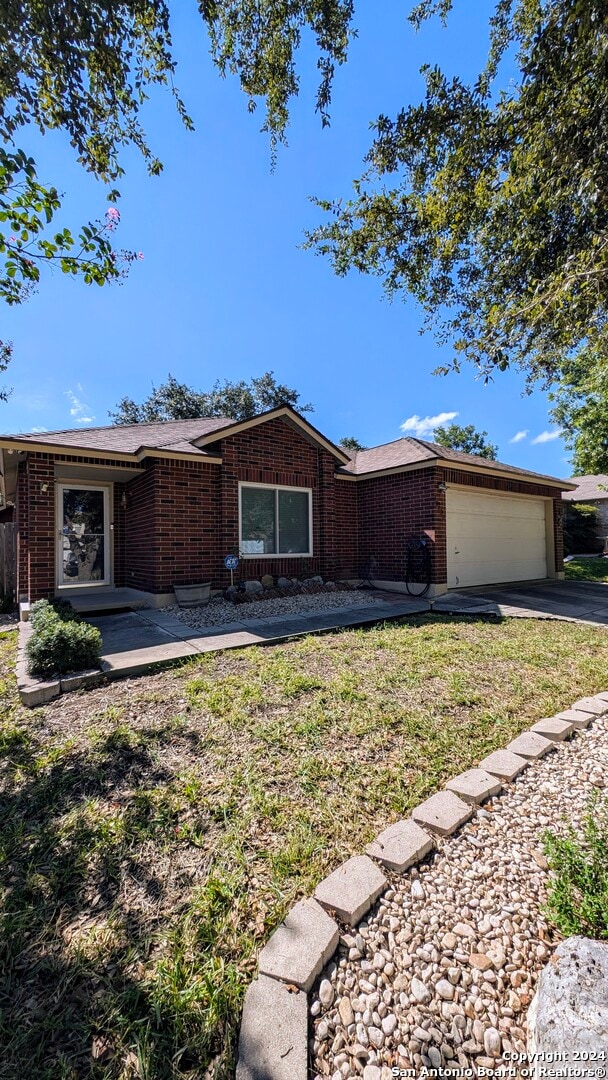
(440, 973)
(220, 612)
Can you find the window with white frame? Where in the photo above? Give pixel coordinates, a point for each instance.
(275, 520)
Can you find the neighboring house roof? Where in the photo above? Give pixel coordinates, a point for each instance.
(410, 452)
(588, 487)
(196, 438)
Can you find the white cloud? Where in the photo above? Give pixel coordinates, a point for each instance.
(425, 425)
(520, 436)
(39, 430)
(78, 409)
(546, 436)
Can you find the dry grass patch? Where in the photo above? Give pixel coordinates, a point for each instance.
(154, 832)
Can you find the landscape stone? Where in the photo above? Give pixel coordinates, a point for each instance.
(400, 845)
(351, 890)
(553, 728)
(345, 1009)
(504, 764)
(421, 992)
(273, 1043)
(443, 813)
(594, 705)
(254, 587)
(480, 961)
(301, 946)
(569, 1013)
(475, 785)
(530, 745)
(575, 717)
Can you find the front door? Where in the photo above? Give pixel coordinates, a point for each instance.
(83, 556)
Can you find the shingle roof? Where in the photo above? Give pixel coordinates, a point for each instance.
(176, 435)
(588, 487)
(180, 436)
(410, 451)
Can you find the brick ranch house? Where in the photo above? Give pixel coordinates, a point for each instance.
(150, 506)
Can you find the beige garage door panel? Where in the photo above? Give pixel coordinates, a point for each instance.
(494, 538)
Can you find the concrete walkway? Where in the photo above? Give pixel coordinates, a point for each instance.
(133, 641)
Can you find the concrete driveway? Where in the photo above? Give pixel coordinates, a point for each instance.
(583, 601)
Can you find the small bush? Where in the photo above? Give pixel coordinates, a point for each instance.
(578, 895)
(61, 642)
(44, 612)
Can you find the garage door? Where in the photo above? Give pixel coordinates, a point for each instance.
(494, 538)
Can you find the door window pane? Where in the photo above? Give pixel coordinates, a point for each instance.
(83, 536)
(293, 522)
(258, 527)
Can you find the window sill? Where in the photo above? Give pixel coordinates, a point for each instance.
(281, 555)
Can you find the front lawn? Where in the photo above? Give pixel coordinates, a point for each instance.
(154, 832)
(586, 570)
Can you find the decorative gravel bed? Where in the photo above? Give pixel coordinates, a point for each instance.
(219, 611)
(443, 969)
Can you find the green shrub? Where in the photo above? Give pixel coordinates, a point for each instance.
(43, 612)
(578, 894)
(581, 529)
(61, 642)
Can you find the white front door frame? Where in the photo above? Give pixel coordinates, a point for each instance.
(108, 532)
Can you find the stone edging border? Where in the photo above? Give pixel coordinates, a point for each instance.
(273, 1041)
(34, 691)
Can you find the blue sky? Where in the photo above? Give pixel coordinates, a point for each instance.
(224, 289)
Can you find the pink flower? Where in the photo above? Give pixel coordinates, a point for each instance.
(13, 239)
(140, 254)
(112, 214)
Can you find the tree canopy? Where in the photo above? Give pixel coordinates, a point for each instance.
(580, 407)
(240, 400)
(467, 439)
(349, 442)
(488, 202)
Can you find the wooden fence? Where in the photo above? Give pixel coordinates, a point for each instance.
(8, 558)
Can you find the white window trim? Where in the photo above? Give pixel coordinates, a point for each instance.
(108, 490)
(278, 554)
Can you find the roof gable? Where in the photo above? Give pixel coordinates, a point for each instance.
(283, 412)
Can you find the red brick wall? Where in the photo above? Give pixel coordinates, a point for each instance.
(22, 520)
(36, 528)
(275, 453)
(394, 509)
(345, 522)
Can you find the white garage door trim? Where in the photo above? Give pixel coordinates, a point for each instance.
(494, 538)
